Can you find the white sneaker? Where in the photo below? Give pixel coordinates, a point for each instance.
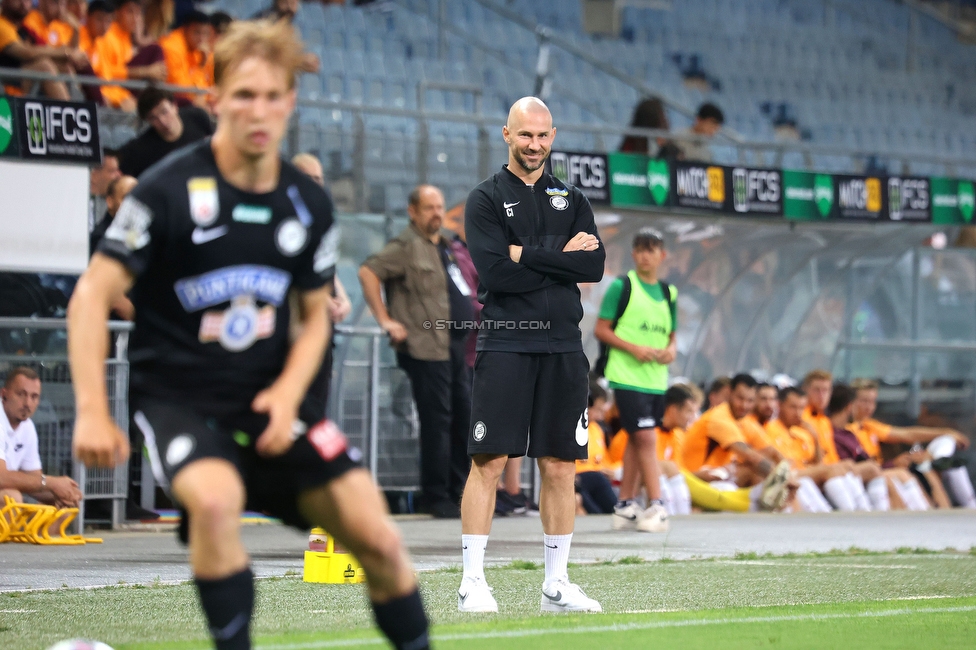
(775, 488)
(654, 520)
(561, 595)
(625, 518)
(474, 595)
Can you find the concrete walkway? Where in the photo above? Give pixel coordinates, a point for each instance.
(144, 557)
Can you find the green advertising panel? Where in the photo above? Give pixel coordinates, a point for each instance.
(636, 180)
(807, 196)
(8, 143)
(953, 200)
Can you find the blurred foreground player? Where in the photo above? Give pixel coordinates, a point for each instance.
(210, 242)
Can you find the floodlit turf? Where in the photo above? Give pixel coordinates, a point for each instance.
(903, 600)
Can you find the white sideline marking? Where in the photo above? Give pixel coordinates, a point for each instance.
(626, 627)
(832, 565)
(18, 611)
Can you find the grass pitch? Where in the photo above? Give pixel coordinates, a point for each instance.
(852, 599)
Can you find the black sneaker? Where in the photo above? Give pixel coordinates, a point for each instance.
(445, 510)
(135, 512)
(504, 506)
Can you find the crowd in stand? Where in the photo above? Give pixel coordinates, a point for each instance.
(838, 455)
(158, 41)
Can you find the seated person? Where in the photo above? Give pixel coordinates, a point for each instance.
(797, 441)
(871, 433)
(719, 391)
(20, 462)
(189, 61)
(49, 23)
(46, 22)
(849, 448)
(170, 128)
(122, 54)
(21, 49)
(98, 18)
(716, 439)
(594, 476)
(680, 488)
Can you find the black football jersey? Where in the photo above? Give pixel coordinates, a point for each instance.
(213, 266)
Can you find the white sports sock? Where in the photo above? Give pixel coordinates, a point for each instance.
(557, 555)
(856, 487)
(960, 486)
(878, 493)
(906, 494)
(810, 498)
(667, 499)
(839, 494)
(755, 493)
(473, 555)
(681, 494)
(921, 501)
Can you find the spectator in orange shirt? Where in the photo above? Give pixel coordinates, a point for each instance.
(816, 386)
(188, 58)
(871, 433)
(20, 50)
(98, 18)
(46, 22)
(122, 55)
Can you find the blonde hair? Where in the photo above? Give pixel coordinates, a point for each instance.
(816, 375)
(864, 384)
(275, 42)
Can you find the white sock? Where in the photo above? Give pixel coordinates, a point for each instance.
(839, 494)
(906, 494)
(921, 501)
(557, 555)
(755, 493)
(810, 498)
(856, 487)
(960, 486)
(473, 555)
(878, 493)
(667, 499)
(681, 494)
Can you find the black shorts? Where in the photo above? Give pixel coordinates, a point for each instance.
(638, 410)
(176, 435)
(529, 404)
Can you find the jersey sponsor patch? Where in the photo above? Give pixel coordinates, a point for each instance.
(204, 200)
(327, 439)
(131, 224)
(327, 254)
(239, 326)
(291, 237)
(245, 213)
(265, 283)
(559, 202)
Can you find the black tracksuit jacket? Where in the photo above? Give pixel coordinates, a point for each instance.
(532, 306)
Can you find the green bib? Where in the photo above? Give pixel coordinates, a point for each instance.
(645, 322)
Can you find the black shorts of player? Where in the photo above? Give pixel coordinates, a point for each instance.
(638, 410)
(177, 434)
(529, 404)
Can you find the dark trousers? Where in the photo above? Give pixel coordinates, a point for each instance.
(442, 392)
(597, 493)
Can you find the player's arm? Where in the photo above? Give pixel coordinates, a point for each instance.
(488, 242)
(280, 401)
(913, 435)
(605, 334)
(751, 458)
(579, 261)
(98, 441)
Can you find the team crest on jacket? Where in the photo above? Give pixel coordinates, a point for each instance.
(559, 202)
(204, 200)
